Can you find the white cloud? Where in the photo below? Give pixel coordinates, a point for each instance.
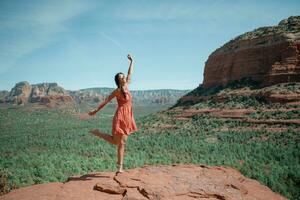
(26, 28)
(107, 37)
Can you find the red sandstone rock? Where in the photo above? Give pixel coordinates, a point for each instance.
(269, 55)
(110, 186)
(49, 94)
(288, 93)
(152, 182)
(56, 100)
(19, 93)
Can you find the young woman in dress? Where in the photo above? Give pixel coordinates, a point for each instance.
(123, 121)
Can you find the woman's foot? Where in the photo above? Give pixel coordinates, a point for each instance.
(120, 168)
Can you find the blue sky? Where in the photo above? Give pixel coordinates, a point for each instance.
(82, 44)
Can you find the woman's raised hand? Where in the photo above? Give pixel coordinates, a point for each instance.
(129, 57)
(92, 112)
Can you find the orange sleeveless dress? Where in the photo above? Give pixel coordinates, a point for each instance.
(123, 121)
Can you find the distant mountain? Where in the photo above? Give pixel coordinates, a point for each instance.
(52, 95)
(49, 94)
(162, 96)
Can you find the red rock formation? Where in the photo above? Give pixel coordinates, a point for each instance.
(20, 93)
(56, 100)
(49, 94)
(288, 68)
(286, 93)
(269, 55)
(152, 182)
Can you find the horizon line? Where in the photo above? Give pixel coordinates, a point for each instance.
(103, 87)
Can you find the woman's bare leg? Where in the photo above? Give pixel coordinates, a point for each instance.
(107, 137)
(121, 151)
(117, 139)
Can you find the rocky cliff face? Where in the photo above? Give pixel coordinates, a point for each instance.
(49, 94)
(20, 93)
(153, 182)
(268, 55)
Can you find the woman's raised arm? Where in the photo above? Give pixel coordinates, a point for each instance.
(103, 103)
(128, 78)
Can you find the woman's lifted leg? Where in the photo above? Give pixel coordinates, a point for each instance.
(107, 137)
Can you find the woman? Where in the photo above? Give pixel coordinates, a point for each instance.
(123, 121)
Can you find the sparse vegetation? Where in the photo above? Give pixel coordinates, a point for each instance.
(46, 145)
(289, 25)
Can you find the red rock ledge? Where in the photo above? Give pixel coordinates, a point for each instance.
(152, 182)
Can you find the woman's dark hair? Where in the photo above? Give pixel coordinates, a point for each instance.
(118, 83)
